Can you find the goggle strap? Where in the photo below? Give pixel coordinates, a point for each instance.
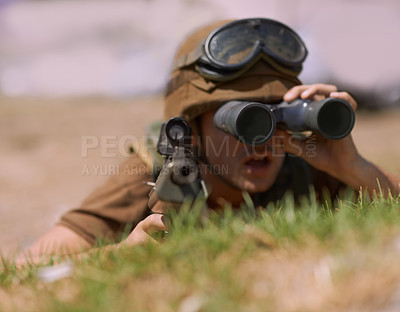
(188, 59)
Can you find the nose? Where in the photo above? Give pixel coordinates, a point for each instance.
(259, 149)
(270, 146)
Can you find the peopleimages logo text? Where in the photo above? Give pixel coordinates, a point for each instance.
(111, 146)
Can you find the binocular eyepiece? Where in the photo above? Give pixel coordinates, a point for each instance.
(254, 123)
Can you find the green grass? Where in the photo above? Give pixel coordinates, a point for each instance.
(306, 257)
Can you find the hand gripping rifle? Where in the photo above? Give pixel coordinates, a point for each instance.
(179, 176)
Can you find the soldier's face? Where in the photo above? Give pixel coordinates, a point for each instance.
(250, 168)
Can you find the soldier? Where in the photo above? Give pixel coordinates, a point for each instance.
(244, 60)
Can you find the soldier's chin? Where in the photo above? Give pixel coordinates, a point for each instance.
(254, 186)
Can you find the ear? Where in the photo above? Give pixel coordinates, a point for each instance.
(195, 124)
(195, 138)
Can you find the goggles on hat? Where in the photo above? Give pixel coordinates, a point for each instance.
(232, 49)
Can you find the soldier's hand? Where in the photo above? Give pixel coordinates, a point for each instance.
(142, 233)
(331, 156)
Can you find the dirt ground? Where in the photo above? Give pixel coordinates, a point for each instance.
(50, 159)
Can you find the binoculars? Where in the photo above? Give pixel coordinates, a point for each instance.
(254, 123)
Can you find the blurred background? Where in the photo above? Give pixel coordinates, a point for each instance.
(70, 69)
(123, 48)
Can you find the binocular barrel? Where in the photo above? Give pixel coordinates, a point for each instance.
(249, 122)
(254, 123)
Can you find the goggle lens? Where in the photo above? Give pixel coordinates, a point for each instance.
(232, 48)
(235, 44)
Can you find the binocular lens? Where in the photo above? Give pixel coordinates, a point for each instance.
(335, 119)
(249, 122)
(255, 124)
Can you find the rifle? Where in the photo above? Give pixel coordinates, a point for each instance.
(179, 177)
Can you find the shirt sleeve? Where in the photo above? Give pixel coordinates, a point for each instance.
(304, 176)
(326, 186)
(114, 208)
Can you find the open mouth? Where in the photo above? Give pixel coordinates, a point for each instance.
(257, 161)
